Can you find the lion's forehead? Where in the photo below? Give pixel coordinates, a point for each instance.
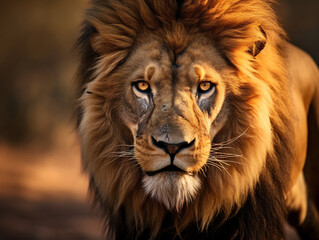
(171, 67)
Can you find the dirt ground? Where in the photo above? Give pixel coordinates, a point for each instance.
(43, 194)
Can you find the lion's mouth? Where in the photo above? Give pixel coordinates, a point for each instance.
(170, 168)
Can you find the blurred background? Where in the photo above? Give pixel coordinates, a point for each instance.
(43, 192)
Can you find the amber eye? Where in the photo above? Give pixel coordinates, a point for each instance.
(205, 86)
(142, 86)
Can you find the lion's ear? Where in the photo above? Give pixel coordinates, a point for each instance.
(259, 45)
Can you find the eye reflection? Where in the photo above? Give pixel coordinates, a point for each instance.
(205, 87)
(142, 86)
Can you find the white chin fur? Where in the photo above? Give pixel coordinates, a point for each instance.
(172, 189)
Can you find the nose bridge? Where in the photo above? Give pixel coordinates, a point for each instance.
(173, 128)
(184, 106)
(173, 115)
(178, 103)
(173, 133)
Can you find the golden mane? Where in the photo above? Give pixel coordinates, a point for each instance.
(258, 97)
(232, 25)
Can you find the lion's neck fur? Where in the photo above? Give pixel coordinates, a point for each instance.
(252, 221)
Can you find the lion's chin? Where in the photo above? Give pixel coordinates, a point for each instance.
(173, 189)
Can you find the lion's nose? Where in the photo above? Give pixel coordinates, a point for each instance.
(172, 148)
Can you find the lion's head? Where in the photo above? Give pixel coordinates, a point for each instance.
(176, 109)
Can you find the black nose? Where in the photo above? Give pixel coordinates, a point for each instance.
(172, 148)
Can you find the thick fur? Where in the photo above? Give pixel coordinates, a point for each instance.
(254, 120)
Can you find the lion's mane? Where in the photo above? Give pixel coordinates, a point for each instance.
(248, 204)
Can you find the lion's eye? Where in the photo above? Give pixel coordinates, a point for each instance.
(142, 86)
(205, 86)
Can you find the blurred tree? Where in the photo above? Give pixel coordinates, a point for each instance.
(37, 65)
(300, 19)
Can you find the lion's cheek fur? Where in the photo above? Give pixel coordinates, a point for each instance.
(229, 189)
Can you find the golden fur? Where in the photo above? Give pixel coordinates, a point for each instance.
(245, 136)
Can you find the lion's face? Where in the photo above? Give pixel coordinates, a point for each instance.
(174, 110)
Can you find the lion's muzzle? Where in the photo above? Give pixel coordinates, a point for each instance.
(171, 150)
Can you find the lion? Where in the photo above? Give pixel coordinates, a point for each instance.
(193, 119)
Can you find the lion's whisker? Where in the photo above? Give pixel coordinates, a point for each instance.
(203, 171)
(229, 141)
(125, 145)
(227, 155)
(219, 161)
(213, 149)
(232, 156)
(224, 160)
(224, 167)
(123, 153)
(214, 165)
